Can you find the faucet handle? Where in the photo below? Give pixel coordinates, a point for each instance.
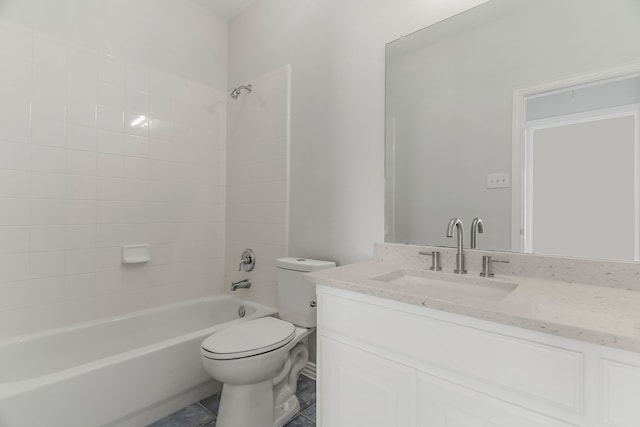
(487, 265)
(435, 260)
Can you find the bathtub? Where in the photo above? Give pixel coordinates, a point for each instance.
(122, 371)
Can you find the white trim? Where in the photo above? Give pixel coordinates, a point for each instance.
(518, 139)
(310, 370)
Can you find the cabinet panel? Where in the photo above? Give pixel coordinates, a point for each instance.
(543, 376)
(443, 404)
(621, 394)
(360, 389)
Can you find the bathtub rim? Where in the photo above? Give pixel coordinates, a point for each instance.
(8, 389)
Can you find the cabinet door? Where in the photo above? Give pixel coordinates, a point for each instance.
(361, 389)
(443, 404)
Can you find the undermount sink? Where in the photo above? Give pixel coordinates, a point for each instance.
(449, 287)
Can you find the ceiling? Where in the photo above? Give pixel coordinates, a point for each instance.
(225, 8)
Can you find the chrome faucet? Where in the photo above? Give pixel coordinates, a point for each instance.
(477, 226)
(456, 224)
(242, 284)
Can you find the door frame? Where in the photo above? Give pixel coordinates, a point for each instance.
(519, 134)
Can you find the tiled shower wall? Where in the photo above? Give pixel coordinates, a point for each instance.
(98, 150)
(258, 182)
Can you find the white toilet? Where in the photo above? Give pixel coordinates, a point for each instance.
(258, 361)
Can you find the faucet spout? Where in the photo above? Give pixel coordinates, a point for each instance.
(241, 284)
(477, 226)
(455, 225)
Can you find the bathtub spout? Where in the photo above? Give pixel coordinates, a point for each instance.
(242, 284)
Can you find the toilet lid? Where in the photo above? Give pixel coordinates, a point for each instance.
(248, 338)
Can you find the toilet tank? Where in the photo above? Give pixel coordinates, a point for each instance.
(296, 296)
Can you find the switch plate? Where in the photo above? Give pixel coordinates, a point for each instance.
(498, 180)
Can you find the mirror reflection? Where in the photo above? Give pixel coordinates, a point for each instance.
(523, 114)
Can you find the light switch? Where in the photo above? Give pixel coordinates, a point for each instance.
(498, 180)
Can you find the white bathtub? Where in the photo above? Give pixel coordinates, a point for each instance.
(122, 371)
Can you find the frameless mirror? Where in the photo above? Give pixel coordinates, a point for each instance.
(524, 113)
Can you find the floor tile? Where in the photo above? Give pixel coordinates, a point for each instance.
(190, 416)
(212, 403)
(300, 421)
(310, 412)
(306, 392)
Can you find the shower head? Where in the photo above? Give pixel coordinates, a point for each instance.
(237, 91)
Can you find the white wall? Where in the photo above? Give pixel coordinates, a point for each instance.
(258, 183)
(112, 131)
(336, 50)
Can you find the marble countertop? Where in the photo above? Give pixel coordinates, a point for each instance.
(599, 315)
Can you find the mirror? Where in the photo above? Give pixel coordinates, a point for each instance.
(470, 102)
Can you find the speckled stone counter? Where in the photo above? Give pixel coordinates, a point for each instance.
(603, 308)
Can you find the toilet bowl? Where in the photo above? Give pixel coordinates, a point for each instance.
(259, 361)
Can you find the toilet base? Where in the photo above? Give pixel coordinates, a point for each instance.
(246, 405)
(286, 411)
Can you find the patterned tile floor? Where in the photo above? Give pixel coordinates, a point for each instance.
(203, 413)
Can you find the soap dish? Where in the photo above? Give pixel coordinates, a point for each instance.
(135, 254)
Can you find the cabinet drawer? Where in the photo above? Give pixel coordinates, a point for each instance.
(519, 370)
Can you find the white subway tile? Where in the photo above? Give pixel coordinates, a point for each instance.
(108, 258)
(81, 187)
(136, 190)
(14, 267)
(47, 290)
(136, 146)
(14, 295)
(110, 142)
(80, 236)
(83, 62)
(160, 129)
(81, 137)
(51, 133)
(47, 238)
(49, 51)
(15, 127)
(110, 118)
(14, 211)
(16, 72)
(110, 165)
(136, 123)
(80, 285)
(14, 155)
(110, 188)
(16, 41)
(80, 261)
(111, 70)
(80, 212)
(108, 282)
(48, 185)
(136, 77)
(111, 96)
(48, 159)
(14, 99)
(137, 101)
(135, 276)
(81, 162)
(135, 168)
(47, 212)
(48, 316)
(46, 264)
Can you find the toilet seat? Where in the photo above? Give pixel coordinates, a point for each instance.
(248, 339)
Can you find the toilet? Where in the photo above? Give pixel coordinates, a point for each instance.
(259, 361)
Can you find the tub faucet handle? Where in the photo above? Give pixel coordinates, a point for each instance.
(247, 260)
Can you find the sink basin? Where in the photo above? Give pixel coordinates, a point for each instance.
(449, 287)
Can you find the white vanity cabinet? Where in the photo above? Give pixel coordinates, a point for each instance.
(386, 363)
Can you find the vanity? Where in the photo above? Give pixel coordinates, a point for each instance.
(547, 341)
